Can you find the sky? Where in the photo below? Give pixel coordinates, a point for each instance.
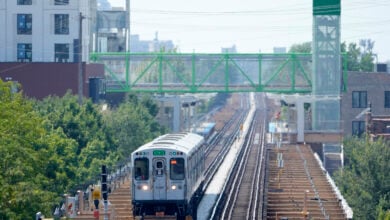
(206, 26)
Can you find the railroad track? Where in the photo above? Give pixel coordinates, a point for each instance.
(242, 197)
(219, 146)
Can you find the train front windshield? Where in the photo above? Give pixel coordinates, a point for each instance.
(141, 168)
(177, 169)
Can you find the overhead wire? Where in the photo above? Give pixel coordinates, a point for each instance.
(265, 29)
(298, 10)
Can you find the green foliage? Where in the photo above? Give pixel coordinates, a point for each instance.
(383, 209)
(300, 48)
(132, 124)
(81, 123)
(353, 54)
(50, 147)
(359, 59)
(150, 105)
(23, 157)
(365, 179)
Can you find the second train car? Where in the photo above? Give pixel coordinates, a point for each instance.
(206, 130)
(168, 176)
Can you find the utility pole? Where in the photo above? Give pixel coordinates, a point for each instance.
(128, 32)
(80, 51)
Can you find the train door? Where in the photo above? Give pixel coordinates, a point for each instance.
(160, 179)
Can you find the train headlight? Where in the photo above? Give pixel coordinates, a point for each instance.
(143, 187)
(175, 187)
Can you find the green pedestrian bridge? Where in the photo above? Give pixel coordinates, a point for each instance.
(204, 73)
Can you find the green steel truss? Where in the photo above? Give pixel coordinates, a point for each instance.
(205, 73)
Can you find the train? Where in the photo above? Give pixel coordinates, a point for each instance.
(206, 129)
(168, 176)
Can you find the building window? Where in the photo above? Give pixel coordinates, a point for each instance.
(61, 22)
(387, 99)
(61, 2)
(24, 25)
(24, 52)
(61, 53)
(359, 99)
(24, 2)
(358, 128)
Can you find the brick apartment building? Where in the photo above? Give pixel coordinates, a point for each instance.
(40, 45)
(364, 90)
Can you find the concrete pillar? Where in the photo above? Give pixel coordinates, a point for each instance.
(176, 114)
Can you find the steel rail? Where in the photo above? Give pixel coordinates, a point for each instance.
(222, 198)
(239, 175)
(257, 210)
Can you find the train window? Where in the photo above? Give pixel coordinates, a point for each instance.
(141, 169)
(177, 171)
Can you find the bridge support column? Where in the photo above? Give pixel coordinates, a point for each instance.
(176, 114)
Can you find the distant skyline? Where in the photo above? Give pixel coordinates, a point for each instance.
(253, 25)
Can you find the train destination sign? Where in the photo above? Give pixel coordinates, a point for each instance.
(158, 153)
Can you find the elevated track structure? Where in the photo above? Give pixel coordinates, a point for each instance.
(297, 187)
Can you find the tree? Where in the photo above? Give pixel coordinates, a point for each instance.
(353, 54)
(151, 105)
(23, 157)
(84, 125)
(364, 180)
(132, 124)
(300, 48)
(367, 56)
(358, 58)
(81, 123)
(49, 147)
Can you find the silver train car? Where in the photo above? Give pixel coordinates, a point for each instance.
(168, 176)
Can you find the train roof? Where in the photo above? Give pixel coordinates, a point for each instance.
(205, 127)
(184, 142)
(208, 125)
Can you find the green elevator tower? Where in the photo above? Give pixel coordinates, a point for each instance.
(327, 70)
